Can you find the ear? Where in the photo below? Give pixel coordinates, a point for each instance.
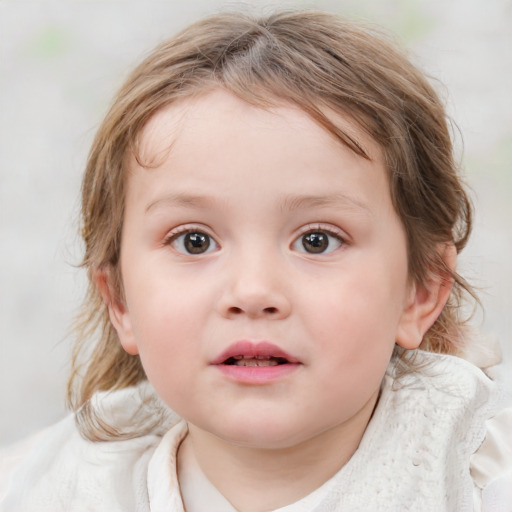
(117, 310)
(425, 303)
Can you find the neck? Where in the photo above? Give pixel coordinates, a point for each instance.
(258, 480)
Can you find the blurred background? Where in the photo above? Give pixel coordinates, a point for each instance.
(60, 64)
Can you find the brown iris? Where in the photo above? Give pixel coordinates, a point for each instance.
(315, 242)
(196, 243)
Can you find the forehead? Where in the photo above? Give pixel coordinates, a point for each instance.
(219, 145)
(211, 108)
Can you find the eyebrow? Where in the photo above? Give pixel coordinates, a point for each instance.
(287, 203)
(183, 200)
(296, 202)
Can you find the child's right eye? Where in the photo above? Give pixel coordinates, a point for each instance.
(192, 242)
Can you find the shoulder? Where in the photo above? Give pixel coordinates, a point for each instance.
(475, 417)
(491, 464)
(13, 456)
(57, 469)
(444, 379)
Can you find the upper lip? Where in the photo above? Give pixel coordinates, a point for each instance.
(250, 349)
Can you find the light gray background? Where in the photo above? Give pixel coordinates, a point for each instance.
(61, 62)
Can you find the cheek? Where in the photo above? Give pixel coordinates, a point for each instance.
(357, 317)
(357, 309)
(161, 302)
(165, 325)
(353, 349)
(169, 355)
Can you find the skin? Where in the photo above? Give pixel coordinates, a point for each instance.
(255, 182)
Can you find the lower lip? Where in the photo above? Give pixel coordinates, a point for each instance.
(257, 375)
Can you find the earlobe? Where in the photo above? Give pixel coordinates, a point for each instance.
(117, 310)
(425, 303)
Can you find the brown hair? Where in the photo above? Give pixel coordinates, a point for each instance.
(319, 62)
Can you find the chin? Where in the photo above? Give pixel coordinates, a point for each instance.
(264, 435)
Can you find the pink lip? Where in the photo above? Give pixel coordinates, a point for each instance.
(250, 349)
(255, 375)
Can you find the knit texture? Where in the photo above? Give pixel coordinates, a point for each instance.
(414, 456)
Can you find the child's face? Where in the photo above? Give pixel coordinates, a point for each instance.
(258, 234)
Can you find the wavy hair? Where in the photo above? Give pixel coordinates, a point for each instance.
(320, 63)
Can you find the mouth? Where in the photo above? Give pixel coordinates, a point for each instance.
(242, 360)
(251, 363)
(247, 353)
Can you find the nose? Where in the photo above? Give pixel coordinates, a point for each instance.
(256, 288)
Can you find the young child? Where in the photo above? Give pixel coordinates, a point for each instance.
(271, 216)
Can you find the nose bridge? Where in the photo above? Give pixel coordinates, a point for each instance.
(255, 283)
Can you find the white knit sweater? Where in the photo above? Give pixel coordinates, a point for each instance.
(423, 450)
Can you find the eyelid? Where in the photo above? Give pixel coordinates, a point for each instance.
(331, 230)
(182, 230)
(327, 228)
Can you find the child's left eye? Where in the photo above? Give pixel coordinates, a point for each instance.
(318, 241)
(192, 242)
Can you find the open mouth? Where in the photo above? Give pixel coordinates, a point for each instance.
(255, 361)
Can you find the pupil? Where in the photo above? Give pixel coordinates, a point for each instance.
(196, 243)
(315, 242)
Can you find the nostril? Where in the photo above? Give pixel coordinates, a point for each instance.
(235, 310)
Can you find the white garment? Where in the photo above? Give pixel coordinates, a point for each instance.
(422, 451)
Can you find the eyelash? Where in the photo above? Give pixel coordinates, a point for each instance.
(318, 228)
(335, 232)
(176, 234)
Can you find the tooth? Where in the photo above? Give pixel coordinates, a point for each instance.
(256, 362)
(246, 362)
